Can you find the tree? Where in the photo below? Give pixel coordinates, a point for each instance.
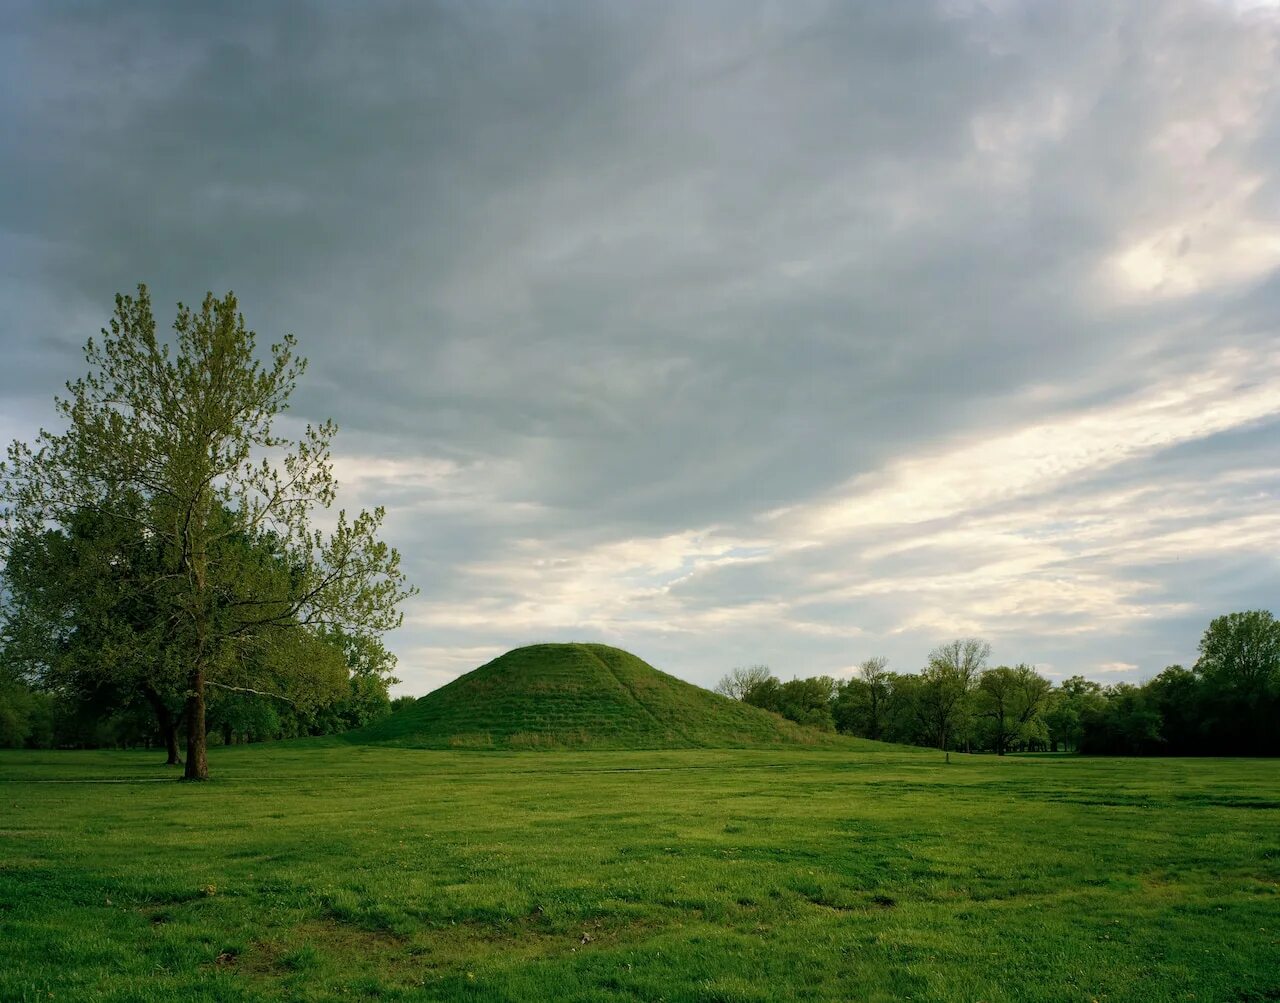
(26, 715)
(1241, 651)
(75, 622)
(1032, 692)
(1011, 700)
(808, 701)
(1123, 723)
(860, 705)
(739, 682)
(875, 675)
(369, 666)
(178, 441)
(905, 718)
(947, 683)
(849, 708)
(997, 692)
(1076, 701)
(1178, 696)
(1239, 665)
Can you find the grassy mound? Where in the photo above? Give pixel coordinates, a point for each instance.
(579, 696)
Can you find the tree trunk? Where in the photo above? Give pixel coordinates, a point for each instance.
(170, 726)
(197, 745)
(197, 760)
(168, 723)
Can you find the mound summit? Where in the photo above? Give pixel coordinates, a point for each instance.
(578, 695)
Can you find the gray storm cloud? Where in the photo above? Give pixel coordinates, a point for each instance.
(724, 332)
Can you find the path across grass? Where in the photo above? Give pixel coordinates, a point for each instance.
(322, 871)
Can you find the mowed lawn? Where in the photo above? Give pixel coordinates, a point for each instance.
(323, 871)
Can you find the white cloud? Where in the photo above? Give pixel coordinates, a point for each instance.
(1112, 667)
(1228, 391)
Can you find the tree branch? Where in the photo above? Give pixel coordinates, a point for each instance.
(246, 689)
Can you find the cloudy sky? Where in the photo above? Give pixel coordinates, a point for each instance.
(724, 332)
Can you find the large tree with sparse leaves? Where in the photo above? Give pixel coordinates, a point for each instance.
(947, 684)
(177, 438)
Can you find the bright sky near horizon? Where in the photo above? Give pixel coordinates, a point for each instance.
(723, 332)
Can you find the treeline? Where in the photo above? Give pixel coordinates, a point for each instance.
(1227, 703)
(64, 717)
(90, 656)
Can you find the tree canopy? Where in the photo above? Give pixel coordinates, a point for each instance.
(171, 449)
(1227, 704)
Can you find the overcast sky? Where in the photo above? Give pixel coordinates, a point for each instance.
(726, 333)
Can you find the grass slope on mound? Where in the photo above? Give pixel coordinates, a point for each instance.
(579, 695)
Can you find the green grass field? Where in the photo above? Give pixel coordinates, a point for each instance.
(326, 871)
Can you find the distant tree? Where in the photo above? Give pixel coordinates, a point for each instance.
(997, 696)
(947, 687)
(1239, 665)
(75, 620)
(348, 677)
(765, 694)
(369, 666)
(1241, 651)
(402, 703)
(1061, 723)
(874, 674)
(849, 708)
(26, 714)
(905, 720)
(1177, 696)
(1011, 701)
(243, 717)
(1123, 723)
(1033, 692)
(860, 704)
(177, 439)
(1074, 702)
(740, 681)
(808, 701)
(805, 701)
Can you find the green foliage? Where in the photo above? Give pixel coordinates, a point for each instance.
(336, 872)
(577, 695)
(26, 715)
(244, 717)
(1239, 666)
(1124, 723)
(1229, 704)
(77, 623)
(808, 702)
(947, 682)
(866, 700)
(764, 692)
(1011, 700)
(174, 444)
(1240, 652)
